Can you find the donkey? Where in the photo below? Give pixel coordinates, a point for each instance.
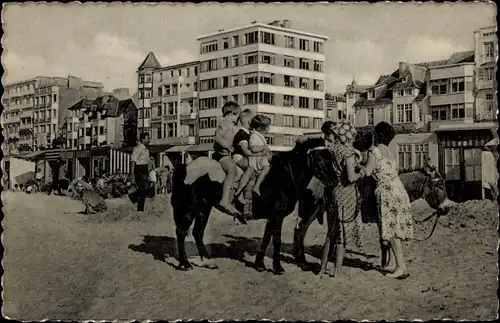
(280, 191)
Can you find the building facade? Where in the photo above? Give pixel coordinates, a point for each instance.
(36, 109)
(269, 68)
(486, 54)
(336, 108)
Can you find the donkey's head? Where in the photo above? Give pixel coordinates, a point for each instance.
(434, 189)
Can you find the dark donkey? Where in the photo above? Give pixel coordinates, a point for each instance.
(287, 179)
(426, 183)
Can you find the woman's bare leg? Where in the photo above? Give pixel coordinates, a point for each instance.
(391, 263)
(397, 248)
(339, 259)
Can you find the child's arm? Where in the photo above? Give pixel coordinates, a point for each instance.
(244, 147)
(256, 145)
(219, 137)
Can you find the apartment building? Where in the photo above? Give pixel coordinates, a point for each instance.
(104, 121)
(336, 108)
(35, 109)
(486, 54)
(269, 68)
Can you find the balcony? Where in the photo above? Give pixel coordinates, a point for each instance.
(156, 99)
(176, 141)
(189, 94)
(485, 59)
(25, 126)
(441, 124)
(485, 84)
(189, 116)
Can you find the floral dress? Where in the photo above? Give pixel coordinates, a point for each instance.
(342, 200)
(395, 220)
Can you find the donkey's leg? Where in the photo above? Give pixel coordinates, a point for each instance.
(301, 231)
(200, 224)
(259, 258)
(277, 227)
(183, 223)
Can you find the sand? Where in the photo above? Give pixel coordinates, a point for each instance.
(60, 264)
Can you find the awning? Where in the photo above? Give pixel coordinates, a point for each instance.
(191, 148)
(33, 155)
(467, 126)
(492, 143)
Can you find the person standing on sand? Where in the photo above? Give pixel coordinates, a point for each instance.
(140, 172)
(396, 221)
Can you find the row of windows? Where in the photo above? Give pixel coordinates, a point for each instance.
(264, 98)
(187, 72)
(454, 85)
(20, 88)
(412, 156)
(288, 121)
(261, 78)
(448, 112)
(262, 37)
(170, 130)
(170, 108)
(42, 100)
(263, 58)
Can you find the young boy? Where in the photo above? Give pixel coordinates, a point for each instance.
(223, 147)
(242, 151)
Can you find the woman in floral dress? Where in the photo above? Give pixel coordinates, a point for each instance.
(344, 223)
(395, 219)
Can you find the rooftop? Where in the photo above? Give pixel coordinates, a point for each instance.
(262, 25)
(150, 62)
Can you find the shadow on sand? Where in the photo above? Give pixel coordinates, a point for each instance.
(235, 248)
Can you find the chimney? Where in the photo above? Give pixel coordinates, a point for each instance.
(254, 22)
(287, 23)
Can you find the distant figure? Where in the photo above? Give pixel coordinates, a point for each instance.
(140, 173)
(39, 177)
(152, 178)
(56, 172)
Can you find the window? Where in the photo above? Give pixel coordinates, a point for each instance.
(288, 120)
(235, 98)
(329, 113)
(288, 100)
(191, 106)
(171, 130)
(318, 85)
(404, 156)
(266, 78)
(289, 62)
(188, 72)
(288, 80)
(195, 86)
(206, 140)
(369, 116)
(303, 102)
(452, 163)
(304, 64)
(318, 66)
(251, 58)
(317, 123)
(489, 97)
(489, 73)
(55, 98)
(409, 92)
(225, 62)
(251, 98)
(304, 44)
(171, 73)
(208, 66)
(318, 104)
(196, 70)
(236, 61)
(141, 94)
(251, 78)
(158, 133)
(266, 38)
(304, 122)
(101, 130)
(225, 81)
(209, 47)
(207, 85)
(391, 114)
(172, 108)
(266, 98)
(159, 111)
(489, 49)
(179, 72)
(225, 43)
(251, 38)
(405, 113)
(439, 112)
(236, 40)
(167, 90)
(318, 47)
(267, 58)
(225, 98)
(439, 87)
(235, 80)
(457, 111)
(457, 85)
(289, 140)
(270, 140)
(159, 91)
(141, 79)
(289, 42)
(208, 103)
(421, 153)
(304, 83)
(147, 94)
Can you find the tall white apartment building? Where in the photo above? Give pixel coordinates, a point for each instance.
(269, 68)
(486, 53)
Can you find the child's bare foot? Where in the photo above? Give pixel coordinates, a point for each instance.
(242, 199)
(390, 268)
(338, 272)
(229, 209)
(256, 190)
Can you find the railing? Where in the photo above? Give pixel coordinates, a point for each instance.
(485, 59)
(485, 84)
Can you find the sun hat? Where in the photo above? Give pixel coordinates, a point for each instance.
(345, 131)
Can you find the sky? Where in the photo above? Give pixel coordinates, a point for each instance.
(107, 42)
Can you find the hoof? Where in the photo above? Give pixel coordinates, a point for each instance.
(278, 270)
(260, 267)
(185, 267)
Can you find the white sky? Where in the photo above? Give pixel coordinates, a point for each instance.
(107, 42)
